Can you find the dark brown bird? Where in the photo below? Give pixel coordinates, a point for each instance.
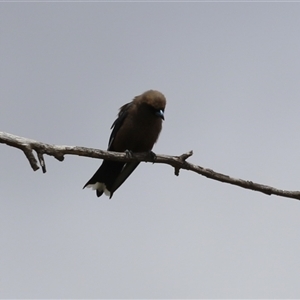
(136, 129)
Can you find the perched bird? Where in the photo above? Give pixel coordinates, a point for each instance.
(136, 129)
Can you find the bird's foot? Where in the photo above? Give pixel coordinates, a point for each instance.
(128, 153)
(152, 155)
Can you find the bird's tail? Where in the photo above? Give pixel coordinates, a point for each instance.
(110, 176)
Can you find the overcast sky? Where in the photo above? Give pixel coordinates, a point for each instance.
(230, 73)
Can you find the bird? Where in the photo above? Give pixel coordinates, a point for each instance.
(136, 129)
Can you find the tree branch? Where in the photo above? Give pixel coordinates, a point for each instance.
(177, 162)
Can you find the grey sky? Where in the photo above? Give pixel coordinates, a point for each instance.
(230, 73)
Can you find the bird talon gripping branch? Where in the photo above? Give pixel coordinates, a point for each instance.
(129, 153)
(136, 129)
(152, 155)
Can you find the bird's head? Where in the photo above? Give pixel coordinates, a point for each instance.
(153, 100)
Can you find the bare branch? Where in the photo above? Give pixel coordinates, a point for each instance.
(177, 162)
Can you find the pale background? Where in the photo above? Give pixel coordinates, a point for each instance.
(231, 74)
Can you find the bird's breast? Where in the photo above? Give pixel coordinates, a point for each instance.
(137, 136)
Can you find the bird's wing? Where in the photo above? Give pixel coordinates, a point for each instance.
(118, 123)
(126, 171)
(128, 167)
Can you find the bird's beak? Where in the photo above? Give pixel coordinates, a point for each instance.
(160, 114)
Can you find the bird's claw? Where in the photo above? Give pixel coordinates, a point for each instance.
(152, 155)
(128, 153)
